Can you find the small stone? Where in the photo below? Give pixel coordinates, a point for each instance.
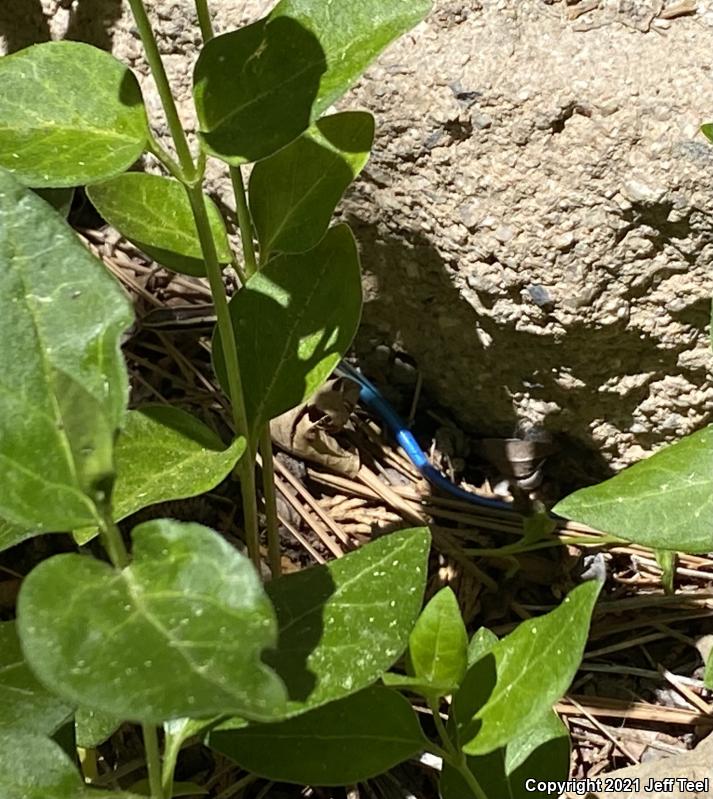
(504, 234)
(564, 241)
(481, 121)
(540, 296)
(470, 214)
(639, 192)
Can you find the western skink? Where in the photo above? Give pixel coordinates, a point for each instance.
(369, 394)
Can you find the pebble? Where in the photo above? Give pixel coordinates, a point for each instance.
(540, 296)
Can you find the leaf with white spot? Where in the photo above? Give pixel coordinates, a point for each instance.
(519, 678)
(154, 213)
(178, 632)
(63, 381)
(163, 453)
(70, 114)
(23, 701)
(343, 624)
(35, 767)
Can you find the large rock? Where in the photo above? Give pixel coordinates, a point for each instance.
(536, 224)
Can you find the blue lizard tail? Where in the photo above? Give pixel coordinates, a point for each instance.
(374, 399)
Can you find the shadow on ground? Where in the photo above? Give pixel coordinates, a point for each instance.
(474, 367)
(23, 22)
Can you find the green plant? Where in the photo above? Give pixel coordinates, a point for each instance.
(179, 632)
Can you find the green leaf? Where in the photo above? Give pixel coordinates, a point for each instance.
(35, 767)
(93, 727)
(63, 383)
(344, 742)
(294, 192)
(707, 131)
(70, 114)
(164, 453)
(343, 624)
(23, 701)
(540, 754)
(663, 502)
(254, 88)
(154, 213)
(12, 534)
(438, 644)
(179, 632)
(708, 674)
(59, 199)
(513, 685)
(351, 35)
(293, 321)
(480, 644)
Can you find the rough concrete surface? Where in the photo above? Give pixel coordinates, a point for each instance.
(536, 223)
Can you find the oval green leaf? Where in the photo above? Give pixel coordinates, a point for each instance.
(663, 502)
(438, 645)
(254, 88)
(35, 767)
(540, 754)
(351, 35)
(63, 382)
(518, 680)
(294, 192)
(344, 742)
(179, 632)
(154, 213)
(24, 703)
(293, 321)
(343, 624)
(164, 453)
(70, 114)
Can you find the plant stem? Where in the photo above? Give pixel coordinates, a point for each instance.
(171, 750)
(510, 550)
(441, 727)
(204, 20)
(191, 178)
(246, 228)
(274, 556)
(246, 465)
(265, 441)
(172, 167)
(88, 761)
(153, 760)
(452, 754)
(164, 89)
(461, 764)
(112, 541)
